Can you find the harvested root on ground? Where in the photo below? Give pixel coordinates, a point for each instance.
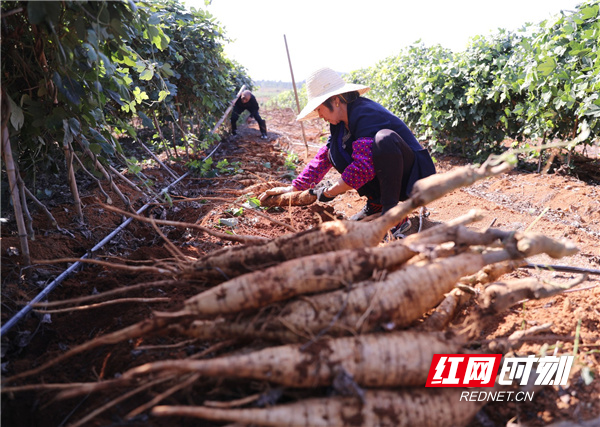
(404, 296)
(322, 272)
(304, 275)
(379, 360)
(295, 198)
(332, 235)
(446, 310)
(401, 298)
(258, 188)
(491, 272)
(410, 407)
(499, 296)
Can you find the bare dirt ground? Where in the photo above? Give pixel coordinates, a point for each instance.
(555, 205)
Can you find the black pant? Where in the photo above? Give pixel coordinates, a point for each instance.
(262, 125)
(393, 160)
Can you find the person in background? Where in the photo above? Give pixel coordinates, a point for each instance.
(373, 150)
(247, 101)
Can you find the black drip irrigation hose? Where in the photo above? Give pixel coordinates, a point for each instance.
(28, 307)
(564, 268)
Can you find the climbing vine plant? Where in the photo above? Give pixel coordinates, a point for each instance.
(76, 76)
(79, 74)
(541, 82)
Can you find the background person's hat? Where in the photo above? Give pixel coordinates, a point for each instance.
(323, 84)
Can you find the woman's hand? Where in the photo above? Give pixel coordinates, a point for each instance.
(275, 191)
(322, 194)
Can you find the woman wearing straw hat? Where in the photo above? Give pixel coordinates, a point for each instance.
(373, 150)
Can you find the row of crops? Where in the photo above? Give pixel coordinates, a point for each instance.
(77, 75)
(80, 78)
(540, 83)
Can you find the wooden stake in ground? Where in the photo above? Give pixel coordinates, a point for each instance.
(295, 94)
(13, 181)
(71, 178)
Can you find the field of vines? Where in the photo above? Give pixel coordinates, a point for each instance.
(78, 76)
(145, 282)
(537, 87)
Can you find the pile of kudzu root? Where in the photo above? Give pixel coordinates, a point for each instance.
(335, 308)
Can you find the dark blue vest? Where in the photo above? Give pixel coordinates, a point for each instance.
(366, 118)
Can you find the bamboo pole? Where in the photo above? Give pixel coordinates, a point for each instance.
(103, 171)
(160, 134)
(295, 93)
(231, 104)
(93, 177)
(26, 213)
(181, 129)
(173, 174)
(14, 191)
(42, 207)
(124, 178)
(71, 178)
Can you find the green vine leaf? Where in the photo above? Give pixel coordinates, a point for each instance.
(139, 95)
(147, 74)
(162, 95)
(547, 67)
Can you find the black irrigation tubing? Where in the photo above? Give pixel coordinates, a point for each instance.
(564, 268)
(39, 297)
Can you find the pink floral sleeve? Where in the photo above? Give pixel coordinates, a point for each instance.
(357, 174)
(361, 170)
(314, 171)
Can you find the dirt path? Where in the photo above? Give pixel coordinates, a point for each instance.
(560, 207)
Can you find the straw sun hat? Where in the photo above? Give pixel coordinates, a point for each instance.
(323, 84)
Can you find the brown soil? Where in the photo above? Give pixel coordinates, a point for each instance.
(514, 201)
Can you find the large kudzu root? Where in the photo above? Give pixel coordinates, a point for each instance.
(378, 360)
(402, 297)
(491, 272)
(295, 198)
(230, 262)
(398, 300)
(431, 407)
(304, 275)
(361, 264)
(499, 296)
(446, 310)
(332, 235)
(407, 293)
(317, 273)
(256, 189)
